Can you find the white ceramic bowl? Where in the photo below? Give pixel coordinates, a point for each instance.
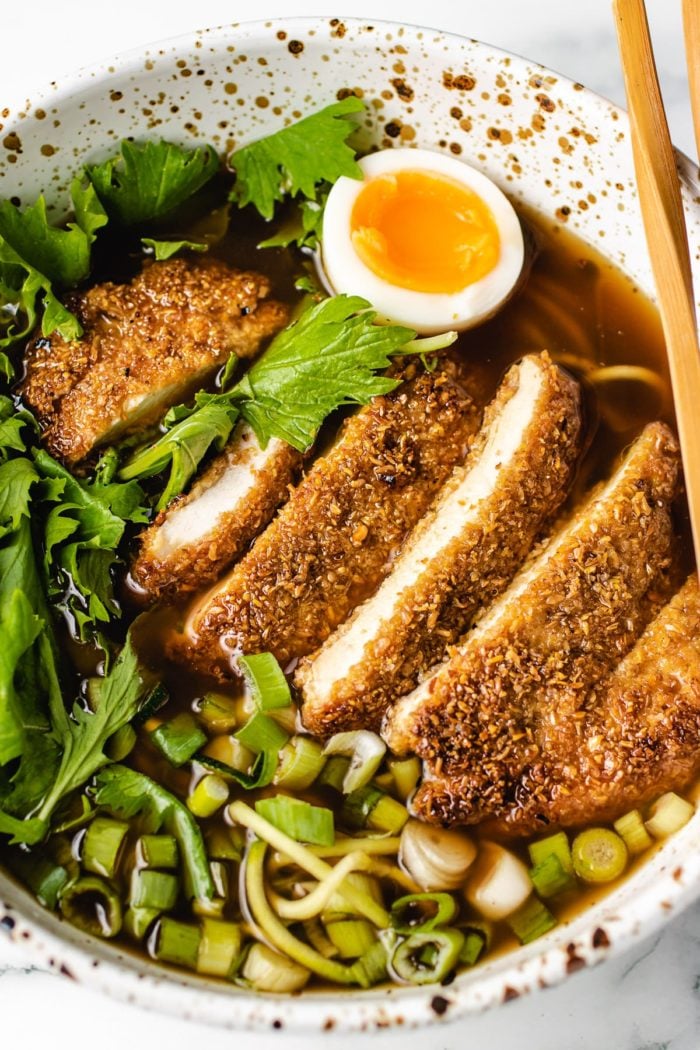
(544, 140)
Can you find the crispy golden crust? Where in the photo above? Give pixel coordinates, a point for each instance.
(446, 590)
(167, 570)
(333, 540)
(146, 345)
(636, 735)
(564, 623)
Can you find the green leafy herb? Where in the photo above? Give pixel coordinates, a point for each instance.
(166, 249)
(303, 227)
(37, 258)
(285, 164)
(128, 793)
(328, 357)
(146, 181)
(81, 537)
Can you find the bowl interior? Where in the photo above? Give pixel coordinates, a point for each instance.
(546, 142)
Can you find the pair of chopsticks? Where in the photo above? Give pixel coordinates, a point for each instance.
(664, 224)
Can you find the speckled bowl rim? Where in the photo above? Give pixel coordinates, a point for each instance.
(665, 885)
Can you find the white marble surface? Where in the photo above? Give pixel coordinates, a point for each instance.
(650, 998)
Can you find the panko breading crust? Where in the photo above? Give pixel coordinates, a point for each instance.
(435, 608)
(563, 625)
(334, 539)
(146, 345)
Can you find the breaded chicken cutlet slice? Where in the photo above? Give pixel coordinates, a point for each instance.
(565, 621)
(459, 557)
(635, 736)
(334, 539)
(199, 535)
(146, 345)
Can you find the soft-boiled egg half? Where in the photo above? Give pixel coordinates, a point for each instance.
(431, 242)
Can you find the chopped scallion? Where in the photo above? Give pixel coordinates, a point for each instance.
(406, 773)
(157, 851)
(92, 905)
(300, 820)
(352, 937)
(424, 958)
(269, 971)
(300, 762)
(209, 795)
(531, 920)
(473, 948)
(669, 814)
(370, 807)
(266, 682)
(630, 828)
(179, 738)
(549, 878)
(218, 712)
(365, 751)
(219, 947)
(138, 921)
(556, 845)
(157, 890)
(422, 912)
(599, 855)
(225, 843)
(333, 773)
(262, 733)
(102, 845)
(175, 942)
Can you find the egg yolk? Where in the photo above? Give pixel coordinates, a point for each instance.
(423, 231)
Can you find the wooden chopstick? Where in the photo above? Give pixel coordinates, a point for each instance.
(691, 32)
(664, 225)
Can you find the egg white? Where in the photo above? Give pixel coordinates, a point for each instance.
(343, 270)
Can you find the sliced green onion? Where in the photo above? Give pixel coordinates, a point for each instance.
(121, 743)
(372, 966)
(240, 813)
(549, 878)
(554, 845)
(179, 739)
(370, 807)
(531, 920)
(102, 845)
(669, 814)
(225, 843)
(319, 898)
(266, 682)
(339, 906)
(406, 773)
(157, 851)
(278, 934)
(218, 712)
(473, 948)
(300, 762)
(44, 878)
(219, 947)
(92, 905)
(287, 719)
(333, 773)
(138, 921)
(175, 942)
(70, 823)
(157, 698)
(630, 828)
(260, 775)
(300, 820)
(268, 971)
(352, 937)
(599, 855)
(219, 874)
(209, 795)
(365, 751)
(424, 958)
(318, 939)
(153, 889)
(422, 912)
(229, 751)
(262, 733)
